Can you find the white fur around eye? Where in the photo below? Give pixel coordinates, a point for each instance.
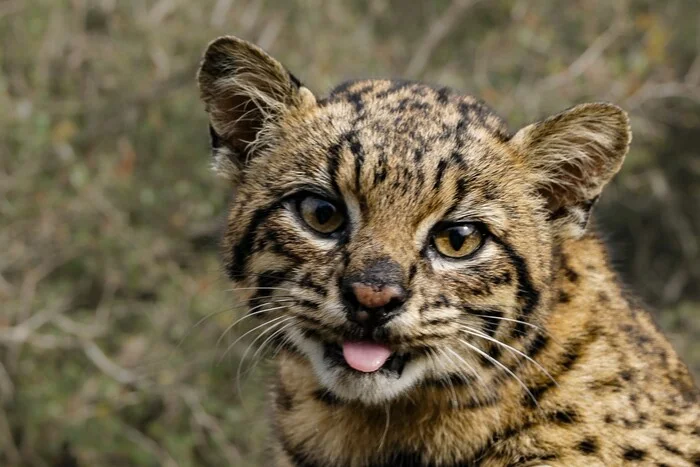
(485, 254)
(352, 206)
(294, 222)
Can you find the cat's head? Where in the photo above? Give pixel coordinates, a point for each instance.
(395, 234)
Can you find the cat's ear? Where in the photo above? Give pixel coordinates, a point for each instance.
(572, 156)
(247, 93)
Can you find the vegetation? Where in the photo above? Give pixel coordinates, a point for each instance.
(108, 211)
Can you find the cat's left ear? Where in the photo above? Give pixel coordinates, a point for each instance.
(572, 156)
(247, 93)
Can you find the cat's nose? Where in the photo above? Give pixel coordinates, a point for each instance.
(371, 305)
(378, 296)
(374, 295)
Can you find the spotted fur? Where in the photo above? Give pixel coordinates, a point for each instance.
(527, 353)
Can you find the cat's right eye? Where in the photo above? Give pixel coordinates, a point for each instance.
(321, 215)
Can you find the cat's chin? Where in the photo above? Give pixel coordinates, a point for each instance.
(398, 375)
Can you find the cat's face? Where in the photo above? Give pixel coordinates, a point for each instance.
(395, 235)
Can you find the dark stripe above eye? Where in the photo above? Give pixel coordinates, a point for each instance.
(359, 154)
(442, 166)
(333, 163)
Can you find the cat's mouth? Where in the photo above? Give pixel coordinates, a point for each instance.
(366, 356)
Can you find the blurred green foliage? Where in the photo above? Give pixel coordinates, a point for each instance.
(109, 213)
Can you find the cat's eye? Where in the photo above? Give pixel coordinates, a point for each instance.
(458, 241)
(322, 216)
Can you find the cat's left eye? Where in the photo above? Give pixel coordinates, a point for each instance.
(458, 241)
(320, 215)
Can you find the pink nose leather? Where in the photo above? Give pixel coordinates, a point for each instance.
(375, 296)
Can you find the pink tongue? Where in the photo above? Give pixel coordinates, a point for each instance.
(365, 356)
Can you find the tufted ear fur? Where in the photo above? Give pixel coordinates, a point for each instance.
(246, 93)
(573, 155)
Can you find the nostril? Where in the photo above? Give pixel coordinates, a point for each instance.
(394, 303)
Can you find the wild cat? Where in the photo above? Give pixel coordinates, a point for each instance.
(434, 286)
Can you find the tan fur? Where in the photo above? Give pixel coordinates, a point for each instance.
(526, 353)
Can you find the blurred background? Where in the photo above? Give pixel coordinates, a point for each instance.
(109, 213)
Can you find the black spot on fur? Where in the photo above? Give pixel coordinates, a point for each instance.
(355, 99)
(491, 319)
(626, 375)
(418, 155)
(396, 86)
(565, 416)
(571, 356)
(443, 96)
(442, 165)
(538, 343)
(663, 444)
(504, 278)
(633, 454)
(563, 297)
(457, 159)
(588, 446)
(536, 393)
(308, 282)
(571, 275)
(494, 351)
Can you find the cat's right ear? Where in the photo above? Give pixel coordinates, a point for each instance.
(247, 93)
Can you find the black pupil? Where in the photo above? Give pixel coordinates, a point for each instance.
(457, 238)
(324, 212)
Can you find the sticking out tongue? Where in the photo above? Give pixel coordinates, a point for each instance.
(365, 356)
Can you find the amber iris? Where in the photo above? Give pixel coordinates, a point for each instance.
(322, 216)
(458, 241)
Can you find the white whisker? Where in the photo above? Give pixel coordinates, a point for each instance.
(469, 367)
(386, 426)
(251, 312)
(512, 320)
(502, 366)
(266, 323)
(262, 346)
(434, 359)
(235, 306)
(477, 333)
(250, 346)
